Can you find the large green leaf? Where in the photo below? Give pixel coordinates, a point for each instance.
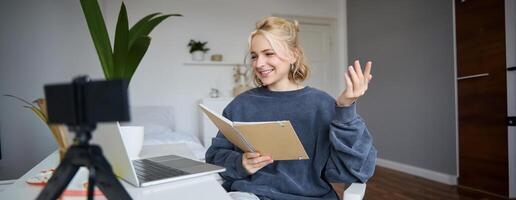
(130, 44)
(136, 54)
(121, 46)
(146, 28)
(99, 34)
(136, 27)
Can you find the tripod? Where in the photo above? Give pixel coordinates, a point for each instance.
(81, 153)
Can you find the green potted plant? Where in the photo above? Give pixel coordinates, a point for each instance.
(198, 49)
(130, 44)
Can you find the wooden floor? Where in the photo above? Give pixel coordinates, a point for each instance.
(390, 184)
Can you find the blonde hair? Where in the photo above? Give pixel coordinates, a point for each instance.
(282, 34)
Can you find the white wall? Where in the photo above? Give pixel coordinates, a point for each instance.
(409, 107)
(40, 42)
(510, 38)
(48, 41)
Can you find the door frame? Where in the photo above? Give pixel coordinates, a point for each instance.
(335, 44)
(456, 95)
(510, 48)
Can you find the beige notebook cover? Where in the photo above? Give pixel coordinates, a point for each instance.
(276, 138)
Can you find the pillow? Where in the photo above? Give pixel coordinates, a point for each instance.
(154, 119)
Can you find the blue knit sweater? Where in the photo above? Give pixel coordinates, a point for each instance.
(336, 140)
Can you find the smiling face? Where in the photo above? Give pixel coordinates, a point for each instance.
(269, 66)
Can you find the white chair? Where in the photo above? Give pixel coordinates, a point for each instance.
(355, 191)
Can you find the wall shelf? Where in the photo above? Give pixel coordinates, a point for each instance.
(213, 63)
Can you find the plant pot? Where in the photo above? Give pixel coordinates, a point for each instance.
(62, 152)
(197, 56)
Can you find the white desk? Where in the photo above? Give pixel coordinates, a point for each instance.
(196, 188)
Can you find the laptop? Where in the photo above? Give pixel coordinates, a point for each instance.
(146, 171)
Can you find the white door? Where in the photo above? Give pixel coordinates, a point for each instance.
(316, 42)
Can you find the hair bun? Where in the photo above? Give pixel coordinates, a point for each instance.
(296, 25)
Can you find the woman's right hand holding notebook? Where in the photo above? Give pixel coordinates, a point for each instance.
(253, 162)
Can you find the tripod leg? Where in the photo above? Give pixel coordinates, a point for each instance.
(105, 178)
(62, 176)
(91, 182)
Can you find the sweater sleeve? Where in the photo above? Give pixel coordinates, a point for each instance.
(352, 154)
(224, 153)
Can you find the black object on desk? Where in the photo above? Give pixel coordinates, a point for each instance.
(80, 105)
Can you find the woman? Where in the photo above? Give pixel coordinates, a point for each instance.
(334, 136)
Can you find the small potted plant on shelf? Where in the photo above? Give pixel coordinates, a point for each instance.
(198, 49)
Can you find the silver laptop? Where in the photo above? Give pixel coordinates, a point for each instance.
(147, 171)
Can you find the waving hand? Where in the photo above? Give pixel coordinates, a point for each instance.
(356, 83)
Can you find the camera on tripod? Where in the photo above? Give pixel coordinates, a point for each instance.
(81, 105)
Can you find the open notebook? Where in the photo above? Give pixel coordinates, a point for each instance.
(274, 138)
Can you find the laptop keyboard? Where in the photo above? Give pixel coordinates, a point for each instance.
(147, 170)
